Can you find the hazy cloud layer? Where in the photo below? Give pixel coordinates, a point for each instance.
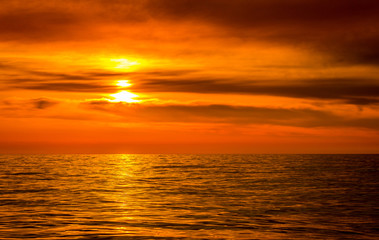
(346, 30)
(353, 91)
(34, 21)
(357, 91)
(230, 114)
(183, 113)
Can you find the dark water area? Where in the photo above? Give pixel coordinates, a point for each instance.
(189, 196)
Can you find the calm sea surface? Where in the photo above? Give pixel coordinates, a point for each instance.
(189, 196)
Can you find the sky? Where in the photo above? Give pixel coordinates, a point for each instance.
(188, 76)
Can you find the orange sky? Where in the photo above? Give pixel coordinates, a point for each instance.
(184, 76)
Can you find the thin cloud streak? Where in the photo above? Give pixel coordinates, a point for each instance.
(300, 117)
(71, 87)
(352, 91)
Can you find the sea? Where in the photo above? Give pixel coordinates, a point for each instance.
(153, 196)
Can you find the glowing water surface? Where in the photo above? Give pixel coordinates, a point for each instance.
(188, 196)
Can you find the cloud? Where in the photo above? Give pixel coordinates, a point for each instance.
(35, 25)
(22, 68)
(21, 77)
(104, 74)
(17, 104)
(36, 21)
(42, 103)
(246, 13)
(61, 76)
(299, 117)
(71, 87)
(362, 101)
(349, 90)
(346, 30)
(357, 91)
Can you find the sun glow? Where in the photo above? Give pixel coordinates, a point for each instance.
(123, 83)
(124, 96)
(122, 63)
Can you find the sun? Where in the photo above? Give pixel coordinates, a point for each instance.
(123, 83)
(124, 96)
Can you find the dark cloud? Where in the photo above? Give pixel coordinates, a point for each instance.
(70, 87)
(42, 103)
(59, 76)
(163, 73)
(55, 20)
(91, 81)
(30, 74)
(353, 91)
(300, 117)
(363, 101)
(26, 24)
(27, 104)
(104, 74)
(88, 74)
(35, 21)
(247, 13)
(360, 49)
(346, 30)
(4, 66)
(346, 90)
